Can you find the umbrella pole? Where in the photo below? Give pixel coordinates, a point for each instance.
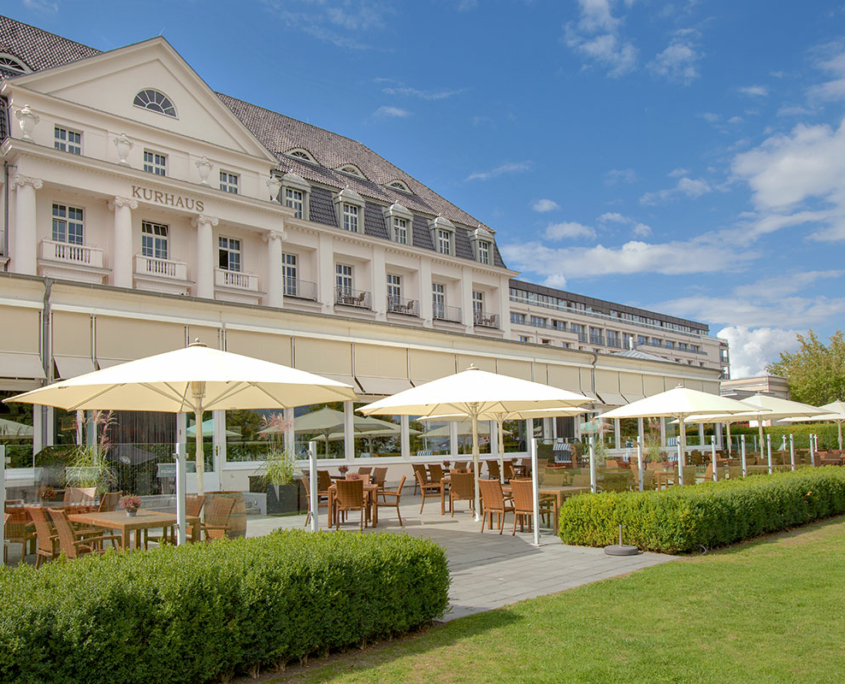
(535, 489)
(742, 454)
(728, 428)
(839, 425)
(501, 451)
(181, 482)
(760, 431)
(593, 484)
(682, 448)
(640, 461)
(199, 450)
(792, 452)
(769, 451)
(476, 465)
(713, 454)
(312, 472)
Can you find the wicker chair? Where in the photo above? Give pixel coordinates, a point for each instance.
(217, 514)
(462, 489)
(494, 502)
(493, 471)
(420, 475)
(322, 498)
(379, 477)
(397, 495)
(435, 472)
(523, 505)
(460, 465)
(18, 530)
(324, 481)
(509, 471)
(47, 540)
(193, 507)
(71, 545)
(85, 496)
(109, 501)
(349, 497)
(428, 489)
(365, 470)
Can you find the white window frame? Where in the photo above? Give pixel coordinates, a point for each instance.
(155, 163)
(400, 230)
(394, 288)
(230, 182)
(400, 223)
(438, 300)
(67, 228)
(478, 302)
(160, 103)
(232, 249)
(344, 278)
(351, 216)
(443, 235)
(295, 199)
(445, 243)
(482, 245)
(290, 274)
(484, 252)
(346, 202)
(62, 140)
(155, 240)
(296, 194)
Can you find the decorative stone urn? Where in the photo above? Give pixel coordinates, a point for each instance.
(204, 167)
(27, 119)
(274, 185)
(124, 146)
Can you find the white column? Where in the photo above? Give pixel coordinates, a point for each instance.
(25, 242)
(204, 271)
(122, 266)
(505, 305)
(466, 298)
(326, 272)
(349, 431)
(379, 271)
(275, 284)
(701, 436)
(617, 434)
(662, 432)
(426, 309)
(405, 428)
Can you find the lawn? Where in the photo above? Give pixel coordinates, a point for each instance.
(772, 610)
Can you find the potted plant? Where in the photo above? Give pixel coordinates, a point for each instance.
(278, 478)
(130, 504)
(343, 469)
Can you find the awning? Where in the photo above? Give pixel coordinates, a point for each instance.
(612, 399)
(108, 363)
(383, 386)
(346, 379)
(20, 365)
(631, 398)
(71, 366)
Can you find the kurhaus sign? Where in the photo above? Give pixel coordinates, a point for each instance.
(168, 199)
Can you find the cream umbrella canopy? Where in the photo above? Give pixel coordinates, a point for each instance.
(474, 393)
(328, 421)
(190, 380)
(679, 403)
(833, 413)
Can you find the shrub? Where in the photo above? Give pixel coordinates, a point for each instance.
(683, 519)
(208, 611)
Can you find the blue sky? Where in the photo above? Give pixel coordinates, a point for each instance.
(684, 156)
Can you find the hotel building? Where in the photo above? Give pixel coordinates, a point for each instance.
(140, 210)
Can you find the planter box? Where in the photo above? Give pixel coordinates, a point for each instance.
(281, 499)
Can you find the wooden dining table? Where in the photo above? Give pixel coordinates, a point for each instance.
(557, 492)
(664, 478)
(370, 505)
(125, 524)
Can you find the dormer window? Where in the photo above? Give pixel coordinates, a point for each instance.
(350, 210)
(443, 235)
(399, 221)
(296, 195)
(12, 63)
(302, 155)
(352, 170)
(155, 101)
(482, 245)
(400, 186)
(484, 251)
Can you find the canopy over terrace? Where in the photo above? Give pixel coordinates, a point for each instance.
(834, 413)
(475, 393)
(679, 403)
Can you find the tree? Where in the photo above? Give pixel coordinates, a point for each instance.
(816, 372)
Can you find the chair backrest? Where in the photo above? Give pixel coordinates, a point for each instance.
(491, 492)
(218, 510)
(435, 470)
(109, 501)
(581, 480)
(324, 480)
(510, 473)
(380, 475)
(350, 493)
(419, 473)
(462, 486)
(523, 496)
(16, 522)
(365, 470)
(611, 463)
(654, 465)
(81, 495)
(194, 504)
(65, 532)
(43, 530)
(398, 489)
(493, 470)
(362, 478)
(460, 465)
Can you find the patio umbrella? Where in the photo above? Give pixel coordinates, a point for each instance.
(208, 430)
(328, 421)
(190, 380)
(474, 393)
(833, 413)
(9, 428)
(679, 403)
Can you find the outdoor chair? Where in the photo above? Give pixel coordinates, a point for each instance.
(18, 531)
(322, 498)
(462, 489)
(394, 503)
(80, 495)
(217, 514)
(493, 501)
(379, 477)
(648, 481)
(427, 488)
(611, 463)
(365, 470)
(435, 472)
(509, 471)
(109, 501)
(47, 545)
(324, 481)
(461, 465)
(71, 545)
(523, 505)
(193, 508)
(350, 497)
(493, 471)
(420, 475)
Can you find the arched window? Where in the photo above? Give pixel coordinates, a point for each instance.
(304, 155)
(12, 63)
(352, 170)
(155, 102)
(400, 186)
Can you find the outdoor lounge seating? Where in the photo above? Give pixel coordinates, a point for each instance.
(493, 501)
(395, 501)
(47, 539)
(462, 488)
(350, 497)
(429, 489)
(217, 513)
(73, 546)
(523, 505)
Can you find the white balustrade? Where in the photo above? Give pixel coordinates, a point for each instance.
(81, 255)
(236, 279)
(164, 268)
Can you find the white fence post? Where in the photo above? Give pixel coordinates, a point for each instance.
(742, 455)
(593, 484)
(640, 462)
(792, 452)
(769, 452)
(181, 490)
(312, 470)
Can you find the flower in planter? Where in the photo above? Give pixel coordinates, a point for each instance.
(353, 476)
(48, 493)
(130, 503)
(343, 469)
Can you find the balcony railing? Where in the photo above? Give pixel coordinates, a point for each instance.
(614, 342)
(452, 314)
(597, 339)
(359, 299)
(81, 255)
(300, 289)
(485, 320)
(582, 337)
(164, 268)
(400, 305)
(235, 279)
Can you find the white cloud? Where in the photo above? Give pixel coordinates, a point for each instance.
(613, 217)
(677, 62)
(43, 6)
(751, 350)
(739, 311)
(386, 112)
(772, 289)
(711, 117)
(544, 205)
(677, 173)
(502, 169)
(557, 281)
(754, 91)
(596, 37)
(569, 230)
(641, 230)
(344, 24)
(834, 64)
(407, 91)
(692, 188)
(467, 5)
(615, 176)
(794, 110)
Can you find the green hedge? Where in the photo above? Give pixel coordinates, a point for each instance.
(207, 611)
(683, 519)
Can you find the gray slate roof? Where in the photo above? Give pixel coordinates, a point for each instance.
(39, 49)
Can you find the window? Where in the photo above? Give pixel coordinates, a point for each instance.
(400, 231)
(343, 279)
(559, 325)
(352, 170)
(444, 242)
(154, 242)
(67, 141)
(155, 101)
(295, 200)
(478, 304)
(155, 163)
(400, 186)
(303, 155)
(682, 346)
(11, 63)
(523, 338)
(394, 291)
(289, 274)
(518, 318)
(538, 322)
(67, 224)
(484, 251)
(229, 182)
(229, 252)
(438, 300)
(350, 218)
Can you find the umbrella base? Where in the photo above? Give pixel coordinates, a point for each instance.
(621, 550)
